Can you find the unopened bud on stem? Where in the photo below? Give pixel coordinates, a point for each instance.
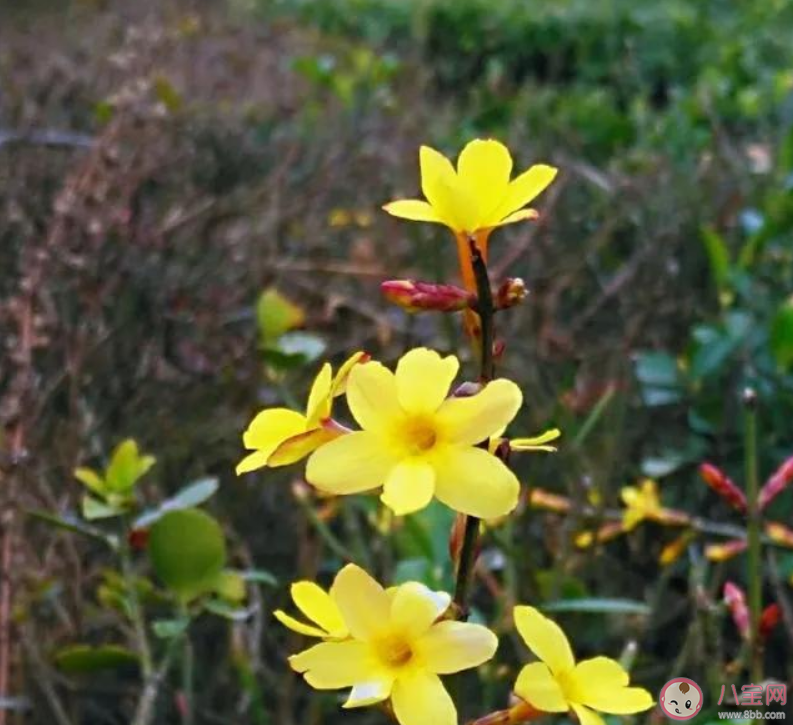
(424, 296)
(512, 291)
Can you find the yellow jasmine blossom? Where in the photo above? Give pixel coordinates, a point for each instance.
(644, 504)
(318, 606)
(417, 443)
(557, 683)
(397, 649)
(476, 197)
(280, 436)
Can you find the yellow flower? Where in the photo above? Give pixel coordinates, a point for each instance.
(318, 606)
(280, 436)
(415, 442)
(397, 649)
(644, 504)
(557, 683)
(475, 198)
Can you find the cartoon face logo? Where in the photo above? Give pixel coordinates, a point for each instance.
(681, 698)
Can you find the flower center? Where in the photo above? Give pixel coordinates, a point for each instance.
(420, 435)
(394, 651)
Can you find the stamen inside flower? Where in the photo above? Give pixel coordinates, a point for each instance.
(394, 651)
(420, 435)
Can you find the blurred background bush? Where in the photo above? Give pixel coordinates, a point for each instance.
(165, 167)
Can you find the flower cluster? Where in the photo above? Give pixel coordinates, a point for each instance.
(416, 437)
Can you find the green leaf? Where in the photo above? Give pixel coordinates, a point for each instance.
(597, 605)
(126, 467)
(90, 479)
(276, 315)
(86, 659)
(170, 628)
(69, 522)
(259, 576)
(781, 335)
(190, 496)
(659, 377)
(94, 509)
(719, 258)
(188, 552)
(225, 610)
(230, 586)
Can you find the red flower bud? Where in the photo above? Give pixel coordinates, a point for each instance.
(512, 291)
(735, 600)
(138, 539)
(769, 619)
(776, 484)
(421, 296)
(723, 486)
(779, 533)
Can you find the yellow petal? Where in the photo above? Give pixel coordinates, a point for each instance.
(370, 692)
(536, 443)
(419, 698)
(319, 399)
(271, 427)
(441, 187)
(339, 385)
(414, 608)
(587, 716)
(601, 683)
(363, 603)
(414, 209)
(332, 665)
(298, 447)
(372, 396)
(484, 168)
(297, 626)
(252, 461)
(319, 607)
(540, 689)
(469, 421)
(423, 379)
(526, 187)
(409, 486)
(350, 464)
(473, 482)
(450, 647)
(545, 638)
(519, 216)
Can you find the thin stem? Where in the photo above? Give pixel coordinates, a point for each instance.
(754, 564)
(187, 680)
(135, 611)
(467, 562)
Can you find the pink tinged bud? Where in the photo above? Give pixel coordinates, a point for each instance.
(423, 296)
(777, 483)
(511, 292)
(735, 600)
(725, 551)
(769, 619)
(723, 486)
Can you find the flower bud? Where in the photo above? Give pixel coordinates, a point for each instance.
(779, 533)
(723, 486)
(769, 619)
(422, 296)
(776, 484)
(725, 551)
(512, 291)
(735, 600)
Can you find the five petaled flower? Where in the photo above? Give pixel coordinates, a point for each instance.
(280, 436)
(416, 442)
(396, 650)
(642, 503)
(476, 197)
(557, 683)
